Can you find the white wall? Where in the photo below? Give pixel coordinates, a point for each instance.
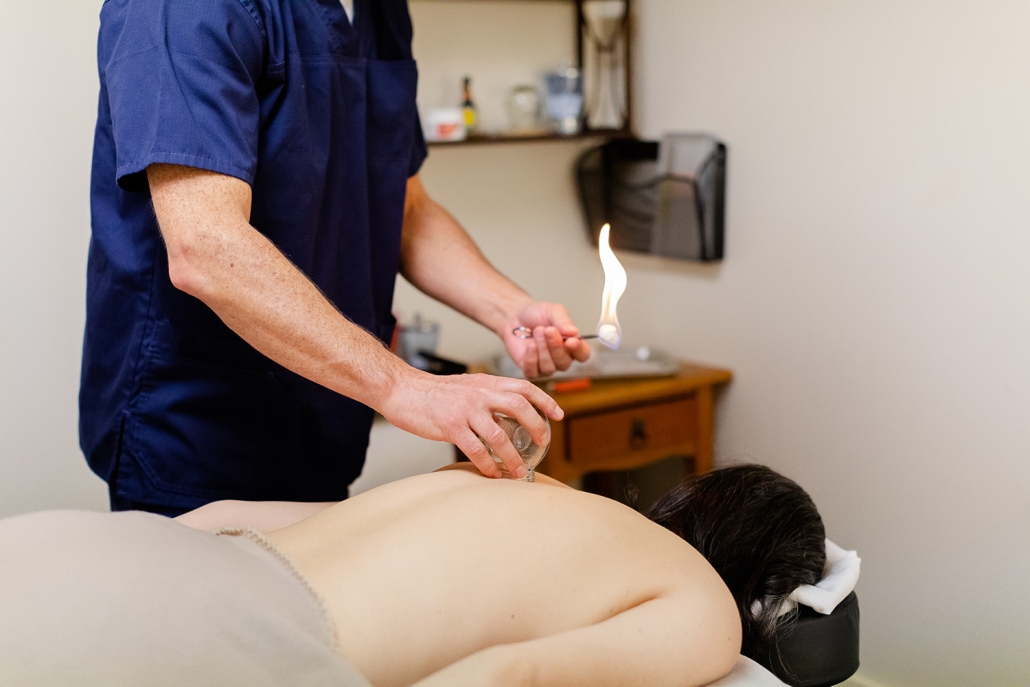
(48, 99)
(875, 301)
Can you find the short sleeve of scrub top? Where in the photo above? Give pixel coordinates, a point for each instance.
(419, 151)
(181, 79)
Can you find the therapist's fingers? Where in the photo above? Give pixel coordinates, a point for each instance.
(534, 395)
(490, 432)
(551, 349)
(546, 364)
(560, 319)
(531, 361)
(578, 349)
(556, 348)
(471, 445)
(518, 407)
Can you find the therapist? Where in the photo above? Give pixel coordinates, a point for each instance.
(255, 191)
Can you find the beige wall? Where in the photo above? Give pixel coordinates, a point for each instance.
(875, 302)
(48, 100)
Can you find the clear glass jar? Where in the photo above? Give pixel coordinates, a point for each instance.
(524, 109)
(530, 452)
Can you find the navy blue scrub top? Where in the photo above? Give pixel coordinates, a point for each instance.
(318, 115)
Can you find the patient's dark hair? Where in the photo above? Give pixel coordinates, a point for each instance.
(759, 530)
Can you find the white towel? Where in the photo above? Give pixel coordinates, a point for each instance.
(840, 575)
(839, 579)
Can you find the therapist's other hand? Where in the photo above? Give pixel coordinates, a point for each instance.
(547, 351)
(460, 409)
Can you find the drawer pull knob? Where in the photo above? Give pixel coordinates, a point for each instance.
(637, 434)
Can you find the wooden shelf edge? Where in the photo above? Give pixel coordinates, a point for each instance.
(533, 138)
(568, 2)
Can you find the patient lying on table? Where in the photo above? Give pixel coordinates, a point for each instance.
(445, 579)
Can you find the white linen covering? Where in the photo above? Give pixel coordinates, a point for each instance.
(747, 673)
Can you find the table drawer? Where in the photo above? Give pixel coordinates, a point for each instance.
(644, 431)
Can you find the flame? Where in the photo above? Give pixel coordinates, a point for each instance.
(608, 330)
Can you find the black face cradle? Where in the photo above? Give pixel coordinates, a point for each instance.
(818, 650)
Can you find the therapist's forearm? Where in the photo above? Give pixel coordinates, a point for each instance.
(440, 259)
(265, 299)
(216, 256)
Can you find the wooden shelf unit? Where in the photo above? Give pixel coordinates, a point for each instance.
(586, 133)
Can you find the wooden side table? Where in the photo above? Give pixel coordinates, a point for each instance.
(621, 424)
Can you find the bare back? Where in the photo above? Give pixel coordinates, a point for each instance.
(426, 571)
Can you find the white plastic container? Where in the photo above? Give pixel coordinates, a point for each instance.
(444, 124)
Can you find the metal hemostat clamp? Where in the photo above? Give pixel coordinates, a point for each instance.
(527, 333)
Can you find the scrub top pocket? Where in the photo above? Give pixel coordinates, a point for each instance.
(234, 425)
(390, 134)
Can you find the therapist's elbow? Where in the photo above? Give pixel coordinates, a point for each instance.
(189, 268)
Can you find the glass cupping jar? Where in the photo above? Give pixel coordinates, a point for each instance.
(530, 452)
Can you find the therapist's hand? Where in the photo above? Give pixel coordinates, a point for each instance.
(547, 352)
(460, 409)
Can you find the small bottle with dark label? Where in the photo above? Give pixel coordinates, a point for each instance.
(468, 108)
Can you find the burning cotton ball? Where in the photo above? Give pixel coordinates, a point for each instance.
(608, 330)
(609, 334)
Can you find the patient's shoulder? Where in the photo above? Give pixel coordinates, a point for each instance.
(465, 466)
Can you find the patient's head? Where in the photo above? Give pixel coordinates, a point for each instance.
(759, 530)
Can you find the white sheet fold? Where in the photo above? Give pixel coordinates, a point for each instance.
(747, 673)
